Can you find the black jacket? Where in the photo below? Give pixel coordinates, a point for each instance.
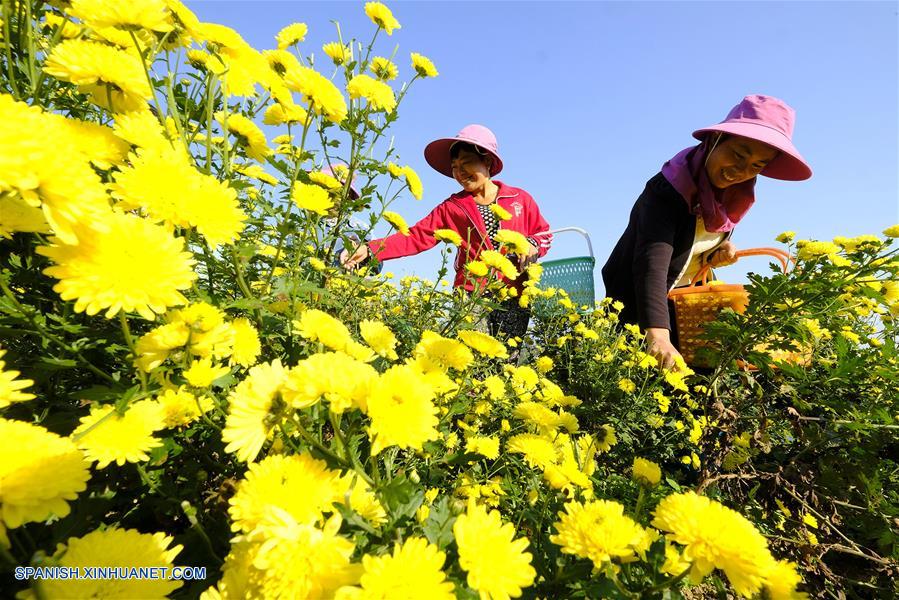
(651, 255)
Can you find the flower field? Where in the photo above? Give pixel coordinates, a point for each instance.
(187, 378)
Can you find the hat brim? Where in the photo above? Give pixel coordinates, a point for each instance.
(437, 154)
(788, 165)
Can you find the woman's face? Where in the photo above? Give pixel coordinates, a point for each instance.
(471, 170)
(737, 159)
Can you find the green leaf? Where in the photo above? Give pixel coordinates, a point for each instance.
(438, 527)
(401, 497)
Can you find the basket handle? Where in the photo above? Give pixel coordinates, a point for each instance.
(583, 232)
(782, 257)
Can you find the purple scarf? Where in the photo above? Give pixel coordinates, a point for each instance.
(721, 209)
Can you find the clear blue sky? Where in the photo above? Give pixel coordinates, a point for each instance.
(588, 99)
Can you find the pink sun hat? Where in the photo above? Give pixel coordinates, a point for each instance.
(768, 120)
(437, 153)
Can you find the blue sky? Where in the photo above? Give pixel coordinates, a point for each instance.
(588, 99)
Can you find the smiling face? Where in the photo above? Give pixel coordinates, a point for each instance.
(470, 169)
(737, 159)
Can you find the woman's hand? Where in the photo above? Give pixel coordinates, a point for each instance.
(726, 254)
(351, 261)
(658, 341)
(531, 256)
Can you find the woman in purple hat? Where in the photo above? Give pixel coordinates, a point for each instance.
(686, 214)
(472, 159)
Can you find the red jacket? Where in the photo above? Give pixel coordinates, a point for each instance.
(459, 213)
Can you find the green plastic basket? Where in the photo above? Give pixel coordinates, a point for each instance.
(574, 275)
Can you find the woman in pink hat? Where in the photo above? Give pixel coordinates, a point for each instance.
(686, 214)
(472, 159)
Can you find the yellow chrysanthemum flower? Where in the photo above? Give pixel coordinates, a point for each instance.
(383, 68)
(325, 180)
(107, 436)
(423, 65)
(283, 558)
(496, 387)
(496, 562)
(53, 21)
(716, 537)
(477, 268)
(132, 266)
(298, 484)
(342, 380)
(281, 61)
(256, 172)
(180, 407)
(514, 241)
(646, 472)
(598, 531)
(202, 60)
(97, 142)
(402, 410)
(171, 190)
(155, 346)
(627, 385)
(246, 347)
(892, 231)
(786, 237)
(114, 79)
(814, 250)
(414, 182)
(255, 408)
(319, 326)
(397, 221)
(606, 438)
(483, 343)
(545, 420)
(18, 215)
(442, 352)
(486, 446)
(142, 129)
(152, 15)
(781, 581)
(496, 260)
(381, 16)
(338, 52)
(114, 547)
(319, 92)
(378, 94)
(291, 35)
(43, 175)
(377, 335)
(501, 213)
(11, 387)
(450, 237)
(363, 500)
(244, 66)
(312, 198)
(203, 372)
(544, 364)
(538, 451)
(247, 133)
(414, 570)
(39, 472)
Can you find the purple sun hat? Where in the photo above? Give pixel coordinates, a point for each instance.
(768, 120)
(437, 153)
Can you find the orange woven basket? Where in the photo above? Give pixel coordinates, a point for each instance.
(699, 303)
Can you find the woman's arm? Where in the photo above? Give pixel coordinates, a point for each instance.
(397, 245)
(654, 219)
